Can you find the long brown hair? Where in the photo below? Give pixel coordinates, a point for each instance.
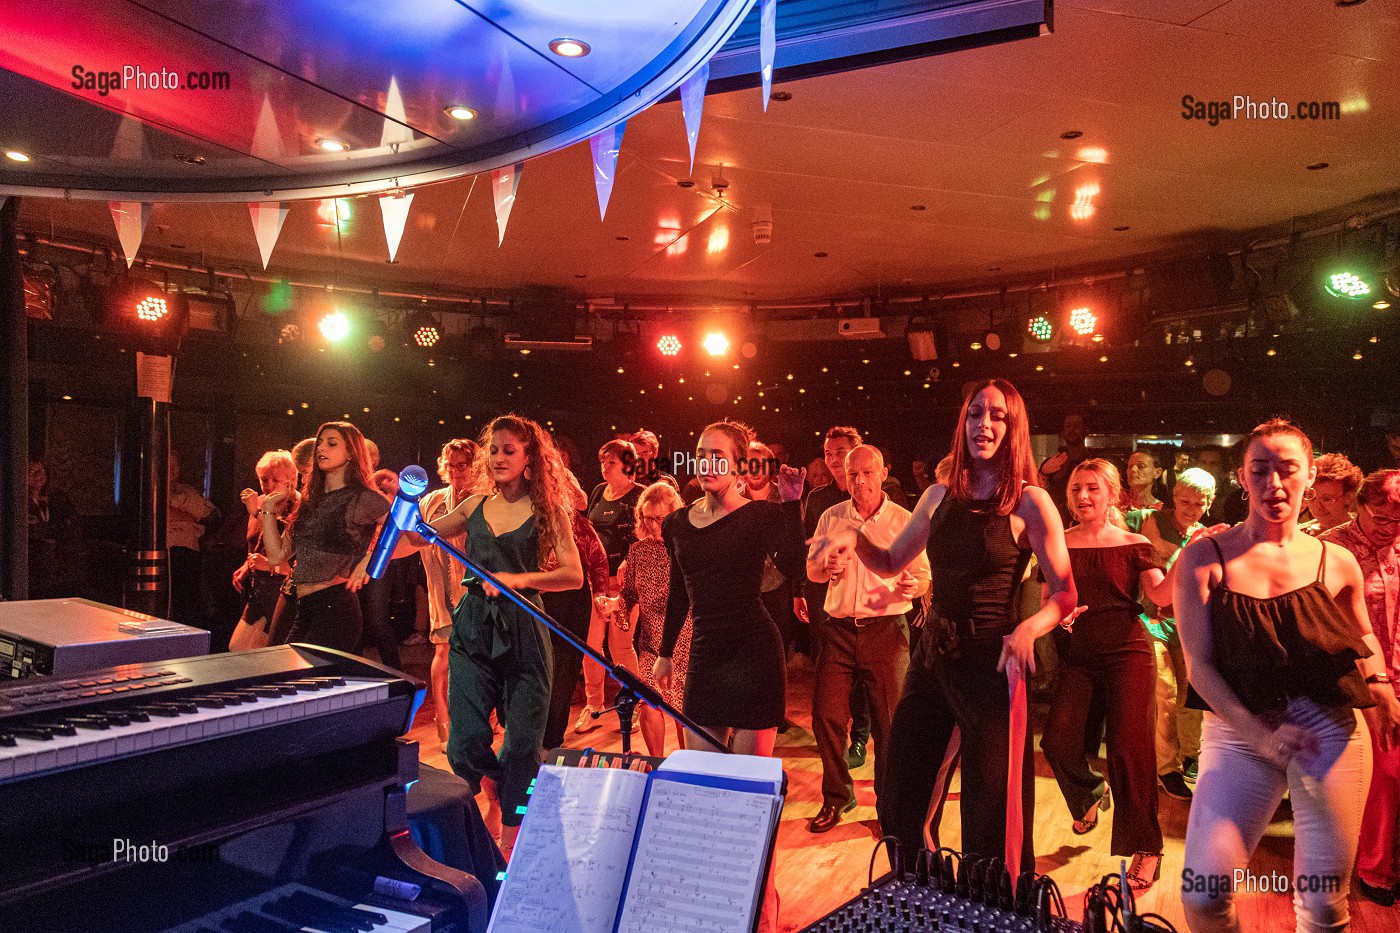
(357, 475)
(1014, 462)
(551, 493)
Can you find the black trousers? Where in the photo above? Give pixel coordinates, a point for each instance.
(329, 618)
(954, 708)
(570, 608)
(374, 608)
(815, 594)
(874, 653)
(1124, 681)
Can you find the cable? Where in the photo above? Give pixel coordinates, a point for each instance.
(1164, 923)
(891, 845)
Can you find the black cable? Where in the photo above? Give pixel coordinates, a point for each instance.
(891, 845)
(1158, 919)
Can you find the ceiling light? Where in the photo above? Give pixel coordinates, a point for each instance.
(669, 345)
(331, 145)
(335, 326)
(14, 155)
(781, 96)
(189, 159)
(1317, 166)
(1381, 305)
(458, 112)
(1071, 134)
(570, 48)
(716, 344)
(1083, 321)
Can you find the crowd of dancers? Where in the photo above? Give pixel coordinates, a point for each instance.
(1269, 599)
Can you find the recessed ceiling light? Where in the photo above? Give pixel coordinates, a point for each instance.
(820, 255)
(1120, 229)
(622, 239)
(1071, 134)
(458, 112)
(189, 159)
(780, 96)
(331, 145)
(917, 207)
(1350, 2)
(570, 48)
(684, 183)
(1317, 166)
(15, 155)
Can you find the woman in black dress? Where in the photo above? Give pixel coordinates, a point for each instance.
(736, 680)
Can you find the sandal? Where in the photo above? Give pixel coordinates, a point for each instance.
(1091, 819)
(1139, 876)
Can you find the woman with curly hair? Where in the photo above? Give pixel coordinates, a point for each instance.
(499, 656)
(327, 538)
(1333, 499)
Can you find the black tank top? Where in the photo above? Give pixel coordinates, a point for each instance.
(976, 565)
(1295, 644)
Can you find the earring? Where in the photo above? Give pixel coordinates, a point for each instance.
(526, 473)
(1309, 494)
(1244, 493)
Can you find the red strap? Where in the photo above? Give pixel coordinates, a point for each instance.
(1015, 818)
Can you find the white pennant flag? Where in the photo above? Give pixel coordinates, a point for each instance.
(130, 218)
(129, 144)
(394, 208)
(267, 138)
(693, 105)
(268, 217)
(396, 129)
(606, 145)
(504, 183)
(767, 45)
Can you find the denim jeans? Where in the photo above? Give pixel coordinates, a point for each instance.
(1236, 796)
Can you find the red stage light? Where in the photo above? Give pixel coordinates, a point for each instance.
(669, 345)
(151, 309)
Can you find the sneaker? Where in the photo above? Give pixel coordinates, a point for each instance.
(1190, 767)
(855, 755)
(1175, 785)
(587, 720)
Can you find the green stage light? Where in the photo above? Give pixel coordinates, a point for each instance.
(1347, 283)
(1040, 328)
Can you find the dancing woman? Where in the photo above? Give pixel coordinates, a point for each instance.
(256, 579)
(979, 530)
(1279, 643)
(500, 656)
(327, 539)
(1107, 657)
(736, 681)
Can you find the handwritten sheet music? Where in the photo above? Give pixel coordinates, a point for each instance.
(571, 857)
(699, 860)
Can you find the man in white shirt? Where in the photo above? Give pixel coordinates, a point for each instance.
(866, 635)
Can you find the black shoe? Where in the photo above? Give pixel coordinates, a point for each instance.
(829, 815)
(1190, 767)
(1175, 785)
(855, 755)
(1383, 896)
(782, 730)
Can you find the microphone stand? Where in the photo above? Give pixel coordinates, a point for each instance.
(633, 688)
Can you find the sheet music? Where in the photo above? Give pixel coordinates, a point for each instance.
(699, 860)
(571, 857)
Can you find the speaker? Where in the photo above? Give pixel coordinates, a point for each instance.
(546, 316)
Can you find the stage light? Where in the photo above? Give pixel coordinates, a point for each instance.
(669, 345)
(1083, 321)
(1040, 328)
(425, 329)
(335, 326)
(152, 308)
(14, 155)
(1347, 283)
(331, 145)
(716, 344)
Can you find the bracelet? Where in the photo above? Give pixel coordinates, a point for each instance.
(263, 511)
(1378, 679)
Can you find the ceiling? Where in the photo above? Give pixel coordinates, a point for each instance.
(972, 139)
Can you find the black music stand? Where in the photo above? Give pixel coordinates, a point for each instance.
(633, 688)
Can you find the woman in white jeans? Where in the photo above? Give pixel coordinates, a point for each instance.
(1279, 645)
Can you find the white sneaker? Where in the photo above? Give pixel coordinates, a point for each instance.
(586, 720)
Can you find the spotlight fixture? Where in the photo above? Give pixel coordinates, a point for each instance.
(1040, 328)
(1083, 321)
(152, 308)
(14, 155)
(458, 112)
(716, 344)
(669, 345)
(331, 145)
(1347, 283)
(570, 48)
(425, 329)
(335, 326)
(155, 316)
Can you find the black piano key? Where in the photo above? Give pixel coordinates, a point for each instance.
(233, 699)
(331, 681)
(208, 702)
(249, 922)
(165, 712)
(60, 728)
(136, 715)
(303, 915)
(89, 722)
(310, 684)
(6, 740)
(285, 689)
(179, 706)
(349, 914)
(31, 732)
(115, 717)
(269, 692)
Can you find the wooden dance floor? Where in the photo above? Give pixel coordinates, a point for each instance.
(817, 873)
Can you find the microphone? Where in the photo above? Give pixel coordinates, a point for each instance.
(403, 516)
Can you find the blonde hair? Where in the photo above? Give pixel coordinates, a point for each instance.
(1111, 479)
(462, 445)
(659, 492)
(277, 460)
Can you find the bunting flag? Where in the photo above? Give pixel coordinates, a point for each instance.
(504, 183)
(267, 137)
(268, 217)
(396, 129)
(394, 208)
(693, 105)
(130, 218)
(606, 145)
(767, 45)
(129, 144)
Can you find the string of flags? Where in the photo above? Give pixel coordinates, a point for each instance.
(268, 217)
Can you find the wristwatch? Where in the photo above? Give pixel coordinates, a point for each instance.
(1378, 679)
